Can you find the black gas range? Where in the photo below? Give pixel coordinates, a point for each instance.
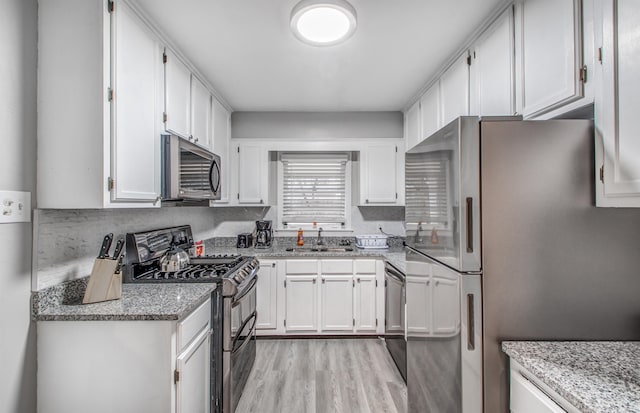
(233, 313)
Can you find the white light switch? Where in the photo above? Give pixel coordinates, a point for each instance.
(15, 206)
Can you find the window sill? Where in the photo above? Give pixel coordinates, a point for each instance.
(314, 232)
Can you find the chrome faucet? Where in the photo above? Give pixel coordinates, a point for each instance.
(320, 241)
(418, 229)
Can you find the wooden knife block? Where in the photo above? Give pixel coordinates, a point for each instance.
(104, 284)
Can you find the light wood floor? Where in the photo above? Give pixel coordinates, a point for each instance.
(323, 375)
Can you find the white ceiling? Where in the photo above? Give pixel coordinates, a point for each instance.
(248, 53)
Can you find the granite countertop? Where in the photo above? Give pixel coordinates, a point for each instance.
(138, 302)
(395, 255)
(596, 376)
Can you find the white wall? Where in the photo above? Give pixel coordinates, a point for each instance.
(317, 125)
(17, 172)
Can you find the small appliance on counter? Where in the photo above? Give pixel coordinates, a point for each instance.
(264, 234)
(244, 240)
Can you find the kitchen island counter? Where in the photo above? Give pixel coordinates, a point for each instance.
(139, 302)
(594, 376)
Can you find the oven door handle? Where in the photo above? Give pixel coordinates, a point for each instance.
(236, 300)
(254, 317)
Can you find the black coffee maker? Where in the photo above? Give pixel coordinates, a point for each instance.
(264, 234)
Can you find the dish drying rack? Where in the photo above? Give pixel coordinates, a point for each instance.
(372, 241)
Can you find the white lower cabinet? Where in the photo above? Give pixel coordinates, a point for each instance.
(365, 303)
(328, 296)
(267, 296)
(337, 303)
(192, 374)
(301, 303)
(125, 366)
(529, 395)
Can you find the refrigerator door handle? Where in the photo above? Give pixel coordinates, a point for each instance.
(471, 334)
(469, 225)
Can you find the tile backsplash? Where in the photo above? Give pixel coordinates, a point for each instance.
(66, 242)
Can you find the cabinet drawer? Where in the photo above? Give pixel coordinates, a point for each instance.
(302, 267)
(194, 323)
(337, 266)
(365, 266)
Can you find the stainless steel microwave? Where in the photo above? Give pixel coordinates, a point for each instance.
(189, 171)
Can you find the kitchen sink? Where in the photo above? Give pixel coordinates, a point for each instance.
(319, 249)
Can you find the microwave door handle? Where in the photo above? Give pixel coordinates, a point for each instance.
(215, 188)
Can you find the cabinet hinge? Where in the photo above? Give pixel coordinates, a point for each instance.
(469, 60)
(111, 183)
(164, 57)
(285, 283)
(354, 322)
(600, 54)
(176, 376)
(583, 74)
(396, 195)
(602, 174)
(376, 322)
(109, 94)
(111, 6)
(285, 323)
(385, 283)
(354, 282)
(396, 148)
(238, 149)
(238, 196)
(164, 117)
(376, 283)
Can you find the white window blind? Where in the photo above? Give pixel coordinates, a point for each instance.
(426, 180)
(313, 188)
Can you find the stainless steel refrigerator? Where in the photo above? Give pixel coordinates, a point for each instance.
(504, 243)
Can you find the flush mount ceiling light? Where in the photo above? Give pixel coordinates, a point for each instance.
(323, 23)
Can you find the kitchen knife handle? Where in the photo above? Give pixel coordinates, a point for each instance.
(106, 244)
(118, 249)
(471, 330)
(469, 225)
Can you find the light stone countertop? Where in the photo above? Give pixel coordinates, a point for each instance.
(395, 255)
(138, 302)
(594, 376)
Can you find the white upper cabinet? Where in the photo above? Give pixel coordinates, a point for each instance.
(135, 107)
(454, 91)
(379, 168)
(492, 80)
(430, 111)
(200, 113)
(412, 125)
(220, 145)
(99, 103)
(177, 92)
(617, 106)
(253, 174)
(549, 53)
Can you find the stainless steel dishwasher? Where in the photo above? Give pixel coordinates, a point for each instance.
(394, 320)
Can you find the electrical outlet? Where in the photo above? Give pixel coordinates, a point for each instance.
(15, 206)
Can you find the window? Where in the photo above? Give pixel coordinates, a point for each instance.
(313, 188)
(427, 199)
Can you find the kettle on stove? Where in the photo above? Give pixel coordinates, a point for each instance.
(175, 259)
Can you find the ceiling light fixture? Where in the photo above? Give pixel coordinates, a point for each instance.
(323, 22)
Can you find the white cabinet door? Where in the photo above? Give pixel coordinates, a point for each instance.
(365, 303)
(549, 54)
(177, 95)
(135, 141)
(220, 146)
(412, 125)
(378, 176)
(267, 296)
(446, 306)
(337, 303)
(252, 174)
(192, 376)
(454, 91)
(301, 303)
(430, 108)
(420, 305)
(617, 107)
(200, 113)
(525, 397)
(492, 80)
